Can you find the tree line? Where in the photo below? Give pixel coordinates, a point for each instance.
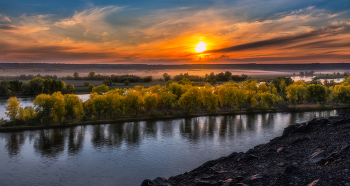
(34, 86)
(174, 98)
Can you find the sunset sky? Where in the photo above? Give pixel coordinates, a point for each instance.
(168, 31)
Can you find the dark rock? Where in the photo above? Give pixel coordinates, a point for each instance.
(344, 150)
(256, 179)
(239, 178)
(148, 182)
(281, 149)
(282, 164)
(314, 183)
(272, 150)
(319, 148)
(317, 157)
(160, 180)
(290, 169)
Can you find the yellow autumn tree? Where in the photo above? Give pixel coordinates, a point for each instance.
(12, 108)
(150, 101)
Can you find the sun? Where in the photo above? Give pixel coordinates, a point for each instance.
(201, 47)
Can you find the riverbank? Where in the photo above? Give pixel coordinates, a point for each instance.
(310, 153)
(298, 108)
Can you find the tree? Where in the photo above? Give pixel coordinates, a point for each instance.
(101, 89)
(12, 108)
(91, 87)
(150, 101)
(99, 105)
(76, 75)
(267, 100)
(73, 106)
(317, 93)
(30, 112)
(44, 106)
(92, 75)
(107, 82)
(5, 87)
(167, 99)
(87, 84)
(58, 106)
(16, 86)
(126, 82)
(241, 98)
(116, 106)
(166, 76)
(133, 102)
(191, 100)
(21, 114)
(209, 99)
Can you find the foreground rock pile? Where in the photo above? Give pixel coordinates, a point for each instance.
(311, 153)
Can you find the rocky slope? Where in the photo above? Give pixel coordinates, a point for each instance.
(311, 153)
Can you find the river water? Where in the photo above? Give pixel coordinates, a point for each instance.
(127, 153)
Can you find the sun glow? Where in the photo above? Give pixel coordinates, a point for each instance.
(201, 47)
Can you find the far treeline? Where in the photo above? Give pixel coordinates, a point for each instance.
(49, 84)
(174, 99)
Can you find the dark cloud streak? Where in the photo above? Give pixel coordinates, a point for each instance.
(282, 41)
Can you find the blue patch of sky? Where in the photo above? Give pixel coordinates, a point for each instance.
(251, 9)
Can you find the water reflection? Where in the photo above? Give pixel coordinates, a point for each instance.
(50, 143)
(150, 148)
(14, 143)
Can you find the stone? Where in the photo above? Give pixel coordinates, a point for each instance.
(290, 169)
(160, 180)
(317, 157)
(314, 183)
(344, 150)
(281, 149)
(281, 164)
(255, 179)
(148, 182)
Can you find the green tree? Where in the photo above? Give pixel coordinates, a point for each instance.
(87, 84)
(91, 87)
(5, 87)
(126, 82)
(107, 82)
(101, 89)
(92, 75)
(76, 75)
(166, 76)
(317, 93)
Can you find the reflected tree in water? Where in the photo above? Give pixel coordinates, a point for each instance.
(76, 139)
(14, 142)
(190, 129)
(50, 143)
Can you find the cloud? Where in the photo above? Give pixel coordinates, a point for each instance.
(7, 27)
(4, 18)
(115, 33)
(284, 40)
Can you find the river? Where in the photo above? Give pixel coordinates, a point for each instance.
(127, 153)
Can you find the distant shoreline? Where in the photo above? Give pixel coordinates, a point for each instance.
(296, 109)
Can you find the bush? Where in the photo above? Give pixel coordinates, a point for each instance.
(126, 82)
(86, 84)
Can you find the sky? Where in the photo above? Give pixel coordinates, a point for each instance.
(168, 31)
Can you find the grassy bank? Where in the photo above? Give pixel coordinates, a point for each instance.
(297, 108)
